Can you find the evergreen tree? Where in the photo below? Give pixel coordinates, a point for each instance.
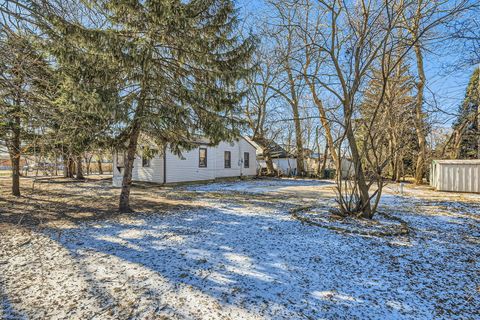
(25, 93)
(466, 127)
(84, 103)
(181, 63)
(390, 125)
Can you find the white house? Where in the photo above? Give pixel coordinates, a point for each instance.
(203, 163)
(455, 175)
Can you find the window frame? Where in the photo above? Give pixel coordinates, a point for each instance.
(146, 162)
(229, 166)
(200, 164)
(246, 160)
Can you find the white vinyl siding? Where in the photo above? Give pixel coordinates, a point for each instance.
(152, 173)
(186, 168)
(456, 175)
(234, 170)
(245, 146)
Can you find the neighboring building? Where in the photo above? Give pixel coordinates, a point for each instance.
(284, 162)
(455, 175)
(5, 163)
(314, 160)
(4, 157)
(203, 163)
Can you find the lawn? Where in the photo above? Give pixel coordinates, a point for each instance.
(232, 251)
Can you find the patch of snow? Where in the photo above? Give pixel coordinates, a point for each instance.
(247, 260)
(257, 185)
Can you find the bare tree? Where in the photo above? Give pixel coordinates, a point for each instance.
(290, 86)
(422, 19)
(258, 99)
(309, 29)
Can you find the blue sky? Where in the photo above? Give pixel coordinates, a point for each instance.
(446, 80)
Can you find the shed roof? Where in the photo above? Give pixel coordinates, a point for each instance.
(459, 161)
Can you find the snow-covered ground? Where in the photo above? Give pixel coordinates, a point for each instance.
(258, 186)
(245, 257)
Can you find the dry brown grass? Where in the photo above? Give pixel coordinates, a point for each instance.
(62, 202)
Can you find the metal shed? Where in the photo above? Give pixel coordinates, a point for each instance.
(455, 175)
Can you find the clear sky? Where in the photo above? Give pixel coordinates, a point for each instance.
(446, 70)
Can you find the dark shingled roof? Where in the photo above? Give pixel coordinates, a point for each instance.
(276, 151)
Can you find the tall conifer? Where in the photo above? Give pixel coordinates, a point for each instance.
(181, 63)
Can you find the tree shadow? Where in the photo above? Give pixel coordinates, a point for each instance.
(7, 309)
(212, 252)
(242, 255)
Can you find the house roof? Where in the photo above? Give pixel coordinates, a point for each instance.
(201, 140)
(204, 140)
(276, 151)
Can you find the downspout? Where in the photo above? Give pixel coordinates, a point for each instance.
(165, 164)
(240, 158)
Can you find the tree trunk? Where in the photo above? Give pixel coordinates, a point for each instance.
(56, 164)
(15, 158)
(457, 145)
(325, 124)
(88, 162)
(71, 167)
(297, 123)
(393, 158)
(324, 162)
(65, 167)
(478, 118)
(398, 171)
(365, 206)
(68, 167)
(298, 141)
(124, 205)
(268, 162)
(79, 174)
(99, 163)
(420, 117)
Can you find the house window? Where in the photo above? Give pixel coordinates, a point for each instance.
(228, 159)
(147, 155)
(246, 160)
(202, 157)
(145, 161)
